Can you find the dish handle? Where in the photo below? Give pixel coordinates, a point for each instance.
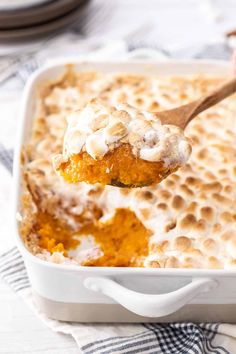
(150, 305)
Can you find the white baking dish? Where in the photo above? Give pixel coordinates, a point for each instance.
(69, 292)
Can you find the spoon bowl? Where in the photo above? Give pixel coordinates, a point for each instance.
(144, 147)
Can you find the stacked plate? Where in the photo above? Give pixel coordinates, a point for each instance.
(24, 19)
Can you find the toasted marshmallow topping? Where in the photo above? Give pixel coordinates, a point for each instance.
(99, 128)
(191, 214)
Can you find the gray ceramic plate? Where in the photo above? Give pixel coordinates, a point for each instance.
(44, 12)
(29, 33)
(8, 5)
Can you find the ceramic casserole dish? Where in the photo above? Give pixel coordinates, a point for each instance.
(110, 294)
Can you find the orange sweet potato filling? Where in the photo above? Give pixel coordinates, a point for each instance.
(54, 235)
(118, 167)
(123, 239)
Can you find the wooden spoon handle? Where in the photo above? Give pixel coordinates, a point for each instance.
(194, 108)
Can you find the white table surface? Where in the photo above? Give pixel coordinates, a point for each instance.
(20, 330)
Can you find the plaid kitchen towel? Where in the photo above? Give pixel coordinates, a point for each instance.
(170, 338)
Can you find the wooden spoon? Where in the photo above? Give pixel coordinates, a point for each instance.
(182, 115)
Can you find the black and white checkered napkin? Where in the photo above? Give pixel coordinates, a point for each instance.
(170, 338)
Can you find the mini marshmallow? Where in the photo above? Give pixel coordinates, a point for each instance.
(149, 139)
